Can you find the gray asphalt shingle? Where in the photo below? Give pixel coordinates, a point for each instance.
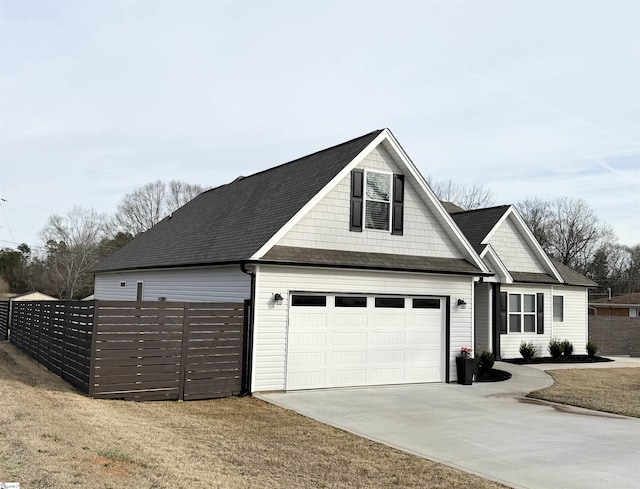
(231, 222)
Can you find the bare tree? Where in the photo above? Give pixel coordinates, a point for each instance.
(568, 230)
(72, 242)
(146, 206)
(466, 197)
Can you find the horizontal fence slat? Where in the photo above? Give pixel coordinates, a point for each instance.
(133, 350)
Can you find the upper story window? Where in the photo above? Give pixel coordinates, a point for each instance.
(377, 201)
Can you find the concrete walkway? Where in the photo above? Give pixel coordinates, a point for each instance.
(487, 429)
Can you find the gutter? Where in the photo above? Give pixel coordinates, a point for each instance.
(247, 351)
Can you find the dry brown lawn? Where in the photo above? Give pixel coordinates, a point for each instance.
(613, 390)
(53, 437)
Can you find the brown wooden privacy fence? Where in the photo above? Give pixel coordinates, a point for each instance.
(168, 350)
(137, 350)
(57, 334)
(615, 335)
(4, 319)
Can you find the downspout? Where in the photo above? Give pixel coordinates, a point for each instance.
(248, 343)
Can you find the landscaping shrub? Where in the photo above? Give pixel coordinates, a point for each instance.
(592, 349)
(567, 348)
(555, 348)
(528, 350)
(485, 362)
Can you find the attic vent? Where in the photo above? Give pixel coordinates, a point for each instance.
(238, 179)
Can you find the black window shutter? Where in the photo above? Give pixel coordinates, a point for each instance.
(357, 181)
(397, 221)
(503, 312)
(540, 313)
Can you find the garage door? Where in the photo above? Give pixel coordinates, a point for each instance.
(355, 340)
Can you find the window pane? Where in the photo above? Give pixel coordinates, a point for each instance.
(529, 303)
(351, 301)
(395, 302)
(514, 303)
(309, 300)
(529, 323)
(514, 323)
(558, 308)
(378, 185)
(377, 215)
(426, 303)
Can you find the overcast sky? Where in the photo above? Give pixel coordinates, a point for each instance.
(530, 99)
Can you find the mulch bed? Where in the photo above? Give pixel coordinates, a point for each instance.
(494, 375)
(562, 359)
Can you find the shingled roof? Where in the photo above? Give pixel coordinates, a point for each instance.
(477, 223)
(230, 223)
(627, 300)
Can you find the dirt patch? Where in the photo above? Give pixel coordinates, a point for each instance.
(52, 436)
(615, 390)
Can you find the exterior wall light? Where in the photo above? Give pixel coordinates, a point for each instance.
(462, 304)
(277, 298)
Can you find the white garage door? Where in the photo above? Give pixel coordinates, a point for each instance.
(348, 340)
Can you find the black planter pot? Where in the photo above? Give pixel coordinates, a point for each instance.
(465, 368)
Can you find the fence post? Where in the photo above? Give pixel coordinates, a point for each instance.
(183, 356)
(94, 339)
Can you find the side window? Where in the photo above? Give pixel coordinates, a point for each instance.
(558, 308)
(139, 291)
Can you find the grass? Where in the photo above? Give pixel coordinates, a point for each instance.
(612, 390)
(53, 437)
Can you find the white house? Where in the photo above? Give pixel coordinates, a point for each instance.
(357, 273)
(530, 297)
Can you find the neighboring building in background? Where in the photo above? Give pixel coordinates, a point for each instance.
(627, 305)
(28, 296)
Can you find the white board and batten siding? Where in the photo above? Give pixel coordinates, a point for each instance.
(271, 332)
(574, 326)
(210, 284)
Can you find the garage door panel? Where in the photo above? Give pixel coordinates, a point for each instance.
(396, 320)
(386, 375)
(386, 356)
(351, 346)
(308, 359)
(351, 319)
(355, 357)
(308, 338)
(315, 379)
(340, 338)
(386, 338)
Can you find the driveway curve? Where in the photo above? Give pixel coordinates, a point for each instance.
(488, 429)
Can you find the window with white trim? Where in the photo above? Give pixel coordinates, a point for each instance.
(522, 313)
(558, 308)
(377, 200)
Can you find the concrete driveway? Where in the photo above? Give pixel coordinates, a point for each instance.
(487, 429)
